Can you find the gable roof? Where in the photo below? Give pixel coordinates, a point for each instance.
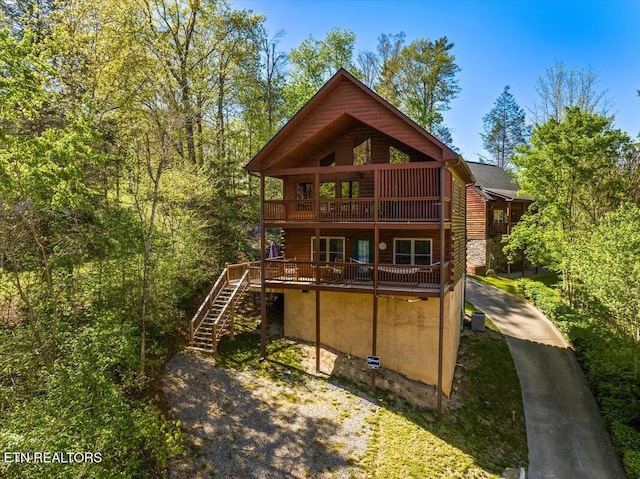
(493, 183)
(316, 121)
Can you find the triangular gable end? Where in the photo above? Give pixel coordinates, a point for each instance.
(343, 94)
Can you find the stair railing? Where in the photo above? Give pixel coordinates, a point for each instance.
(206, 304)
(233, 298)
(218, 324)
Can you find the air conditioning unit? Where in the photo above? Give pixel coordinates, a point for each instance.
(477, 321)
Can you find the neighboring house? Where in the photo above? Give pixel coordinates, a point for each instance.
(493, 208)
(370, 266)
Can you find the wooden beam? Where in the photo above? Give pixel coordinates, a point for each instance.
(382, 290)
(263, 292)
(310, 170)
(317, 292)
(376, 260)
(441, 309)
(358, 225)
(317, 269)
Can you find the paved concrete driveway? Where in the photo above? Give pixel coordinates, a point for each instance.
(565, 432)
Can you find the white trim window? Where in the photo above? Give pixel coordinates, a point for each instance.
(331, 248)
(412, 251)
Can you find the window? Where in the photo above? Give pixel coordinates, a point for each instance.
(397, 156)
(499, 216)
(362, 153)
(331, 248)
(350, 189)
(411, 251)
(305, 191)
(329, 160)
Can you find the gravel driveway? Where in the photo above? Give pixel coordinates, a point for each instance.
(238, 424)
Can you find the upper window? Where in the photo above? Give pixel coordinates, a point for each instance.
(331, 248)
(329, 160)
(411, 251)
(397, 156)
(499, 216)
(362, 153)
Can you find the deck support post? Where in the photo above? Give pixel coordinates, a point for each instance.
(441, 311)
(317, 330)
(316, 197)
(376, 261)
(263, 289)
(316, 247)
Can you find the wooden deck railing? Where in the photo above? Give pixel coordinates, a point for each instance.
(356, 210)
(207, 303)
(354, 274)
(235, 271)
(407, 192)
(498, 229)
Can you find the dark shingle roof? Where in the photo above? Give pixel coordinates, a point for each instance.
(494, 182)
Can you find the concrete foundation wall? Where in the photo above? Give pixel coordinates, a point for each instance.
(407, 332)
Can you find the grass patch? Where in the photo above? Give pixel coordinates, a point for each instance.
(470, 308)
(477, 440)
(283, 355)
(511, 285)
(505, 284)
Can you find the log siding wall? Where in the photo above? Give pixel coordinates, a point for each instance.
(297, 242)
(476, 214)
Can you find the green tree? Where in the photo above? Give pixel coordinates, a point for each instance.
(631, 170)
(607, 261)
(389, 50)
(571, 169)
(418, 78)
(314, 62)
(536, 237)
(427, 82)
(504, 129)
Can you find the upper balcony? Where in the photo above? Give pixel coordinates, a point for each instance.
(386, 193)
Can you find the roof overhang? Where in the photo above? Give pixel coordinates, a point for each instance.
(262, 160)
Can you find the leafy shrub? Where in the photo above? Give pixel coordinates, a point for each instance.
(83, 411)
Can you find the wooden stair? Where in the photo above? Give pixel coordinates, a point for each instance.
(215, 317)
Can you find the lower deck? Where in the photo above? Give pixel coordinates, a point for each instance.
(407, 280)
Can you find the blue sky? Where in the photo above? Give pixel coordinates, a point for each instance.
(497, 43)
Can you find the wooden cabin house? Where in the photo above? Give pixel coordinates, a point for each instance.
(372, 213)
(493, 208)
